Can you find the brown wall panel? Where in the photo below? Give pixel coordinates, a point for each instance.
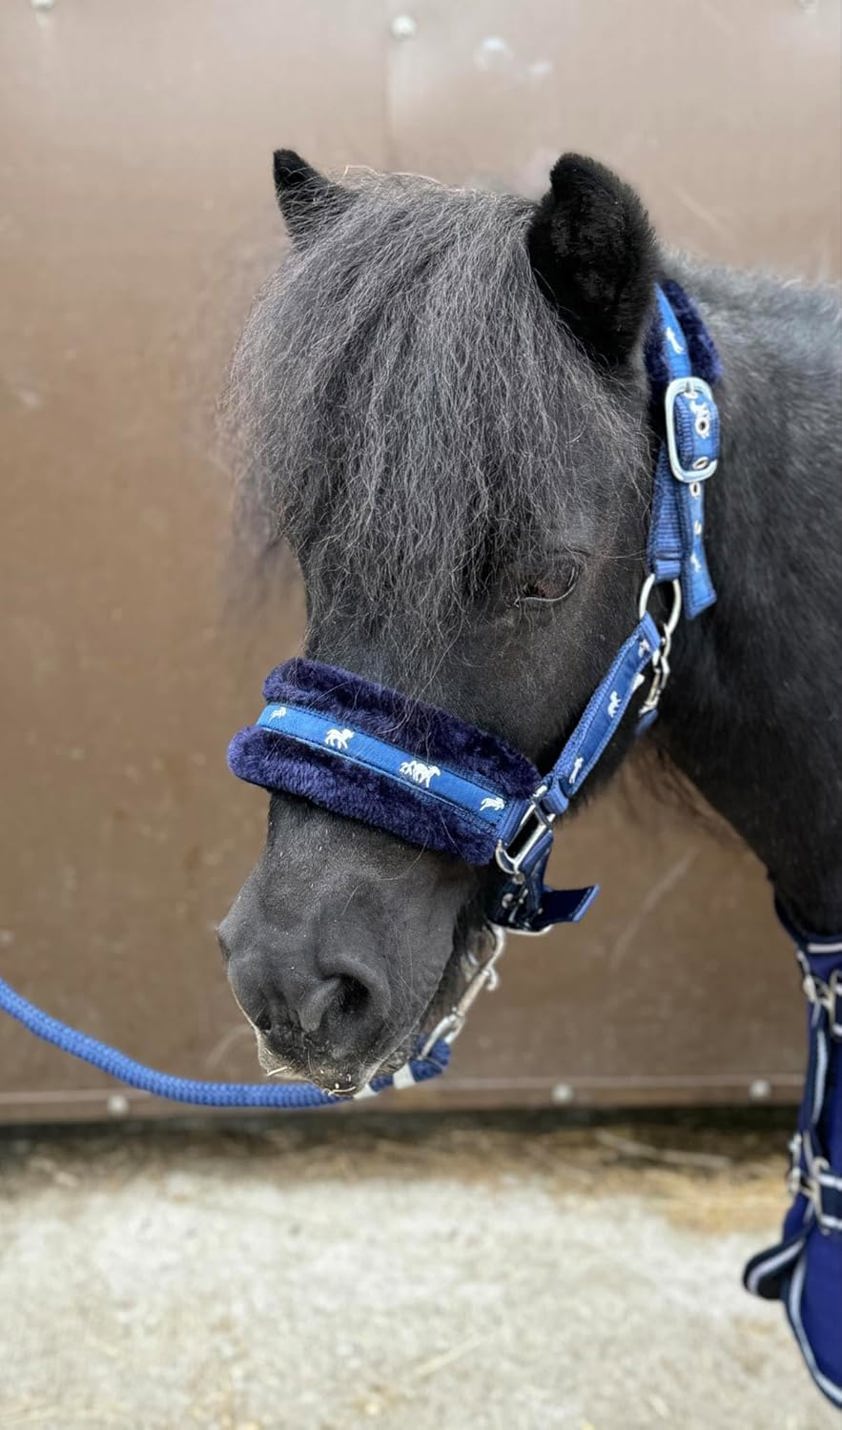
(137, 220)
(725, 114)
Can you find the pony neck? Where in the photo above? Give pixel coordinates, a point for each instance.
(754, 706)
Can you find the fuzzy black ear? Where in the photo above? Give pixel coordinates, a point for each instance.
(593, 250)
(305, 197)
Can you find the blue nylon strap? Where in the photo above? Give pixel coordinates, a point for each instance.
(665, 531)
(603, 713)
(563, 906)
(533, 906)
(483, 803)
(524, 902)
(804, 1269)
(685, 460)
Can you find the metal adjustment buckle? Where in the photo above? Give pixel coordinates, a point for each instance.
(524, 849)
(660, 657)
(701, 399)
(485, 975)
(525, 838)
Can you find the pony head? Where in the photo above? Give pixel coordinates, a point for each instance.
(440, 408)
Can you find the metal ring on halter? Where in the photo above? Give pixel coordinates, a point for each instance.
(675, 613)
(660, 659)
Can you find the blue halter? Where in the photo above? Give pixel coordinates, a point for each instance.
(372, 754)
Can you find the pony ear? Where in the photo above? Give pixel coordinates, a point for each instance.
(305, 197)
(592, 249)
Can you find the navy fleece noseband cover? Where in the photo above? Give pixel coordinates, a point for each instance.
(330, 708)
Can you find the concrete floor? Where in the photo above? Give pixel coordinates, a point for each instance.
(425, 1273)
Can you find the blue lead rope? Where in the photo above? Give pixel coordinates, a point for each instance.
(205, 1094)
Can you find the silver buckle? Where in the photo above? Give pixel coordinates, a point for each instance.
(512, 864)
(704, 466)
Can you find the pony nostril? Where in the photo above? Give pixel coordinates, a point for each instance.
(362, 996)
(347, 999)
(316, 1002)
(353, 996)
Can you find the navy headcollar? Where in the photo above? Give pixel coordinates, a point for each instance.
(377, 756)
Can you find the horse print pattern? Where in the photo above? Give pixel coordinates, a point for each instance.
(339, 739)
(419, 773)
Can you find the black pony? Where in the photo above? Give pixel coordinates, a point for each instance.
(441, 406)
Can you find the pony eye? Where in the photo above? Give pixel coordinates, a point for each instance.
(547, 591)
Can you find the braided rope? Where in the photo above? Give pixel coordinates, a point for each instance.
(191, 1090)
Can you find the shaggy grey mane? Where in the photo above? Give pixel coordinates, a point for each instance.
(409, 413)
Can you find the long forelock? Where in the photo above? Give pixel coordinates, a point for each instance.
(409, 413)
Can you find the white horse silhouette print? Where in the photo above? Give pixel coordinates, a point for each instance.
(702, 413)
(419, 773)
(279, 713)
(495, 803)
(338, 739)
